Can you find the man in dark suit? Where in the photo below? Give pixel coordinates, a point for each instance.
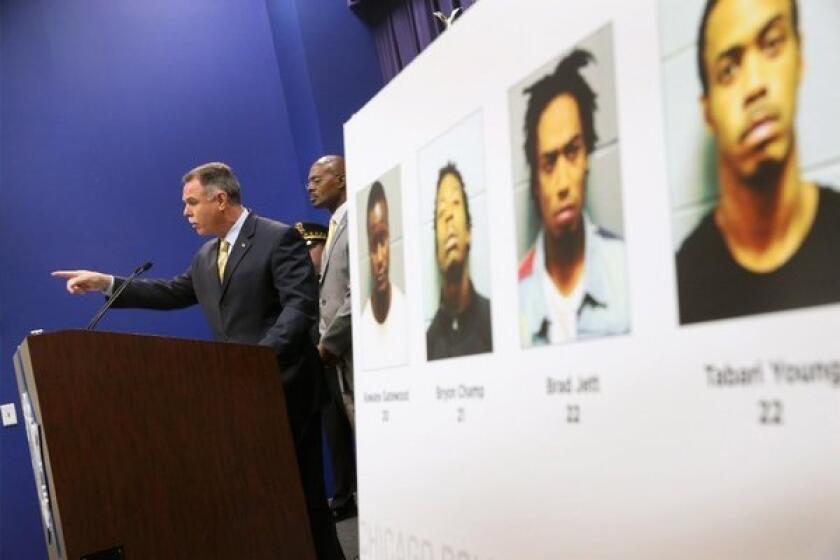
(256, 285)
(327, 189)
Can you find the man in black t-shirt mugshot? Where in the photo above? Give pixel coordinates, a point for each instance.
(773, 240)
(461, 325)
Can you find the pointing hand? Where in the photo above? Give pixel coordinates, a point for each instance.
(83, 281)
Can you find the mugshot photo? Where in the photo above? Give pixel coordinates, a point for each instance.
(753, 161)
(455, 232)
(384, 318)
(572, 263)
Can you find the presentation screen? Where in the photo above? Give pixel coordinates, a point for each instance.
(597, 285)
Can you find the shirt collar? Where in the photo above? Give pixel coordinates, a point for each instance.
(594, 275)
(233, 232)
(595, 272)
(339, 213)
(467, 310)
(455, 321)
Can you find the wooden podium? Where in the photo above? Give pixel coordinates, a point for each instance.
(156, 448)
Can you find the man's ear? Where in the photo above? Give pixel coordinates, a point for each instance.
(343, 181)
(222, 199)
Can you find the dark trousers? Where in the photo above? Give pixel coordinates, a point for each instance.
(339, 435)
(311, 466)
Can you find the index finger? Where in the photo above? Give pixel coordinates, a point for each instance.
(65, 273)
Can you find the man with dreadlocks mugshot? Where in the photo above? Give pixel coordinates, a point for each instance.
(572, 281)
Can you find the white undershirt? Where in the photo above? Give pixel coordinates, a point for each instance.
(562, 310)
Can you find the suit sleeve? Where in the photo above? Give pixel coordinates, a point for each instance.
(175, 293)
(297, 291)
(337, 336)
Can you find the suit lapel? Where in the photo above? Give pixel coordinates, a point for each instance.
(325, 258)
(210, 269)
(239, 249)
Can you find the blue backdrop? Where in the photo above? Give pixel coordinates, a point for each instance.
(103, 106)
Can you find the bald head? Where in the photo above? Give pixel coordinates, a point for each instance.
(326, 185)
(335, 163)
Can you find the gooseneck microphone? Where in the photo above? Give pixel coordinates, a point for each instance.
(137, 272)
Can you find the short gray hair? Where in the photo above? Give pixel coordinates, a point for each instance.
(218, 175)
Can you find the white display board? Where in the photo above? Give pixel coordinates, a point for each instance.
(713, 440)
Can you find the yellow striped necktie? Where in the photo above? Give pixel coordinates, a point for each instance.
(330, 233)
(221, 261)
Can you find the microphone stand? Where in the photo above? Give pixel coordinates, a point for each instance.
(137, 272)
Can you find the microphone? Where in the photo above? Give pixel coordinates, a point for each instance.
(137, 272)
